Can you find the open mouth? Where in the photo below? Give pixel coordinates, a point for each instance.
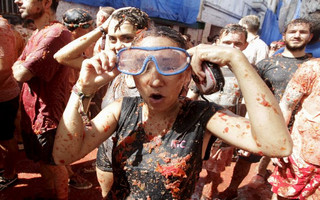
(156, 96)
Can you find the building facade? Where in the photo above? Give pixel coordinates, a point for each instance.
(213, 14)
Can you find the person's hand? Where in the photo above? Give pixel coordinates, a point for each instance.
(97, 71)
(281, 162)
(220, 55)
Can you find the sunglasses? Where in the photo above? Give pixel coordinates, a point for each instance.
(72, 27)
(168, 60)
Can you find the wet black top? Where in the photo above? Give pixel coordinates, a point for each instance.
(160, 167)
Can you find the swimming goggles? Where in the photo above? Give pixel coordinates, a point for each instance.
(168, 60)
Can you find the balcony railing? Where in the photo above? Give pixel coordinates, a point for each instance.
(259, 5)
(8, 7)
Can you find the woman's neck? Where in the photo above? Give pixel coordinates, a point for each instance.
(159, 122)
(161, 114)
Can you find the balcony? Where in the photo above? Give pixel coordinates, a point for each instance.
(9, 10)
(259, 5)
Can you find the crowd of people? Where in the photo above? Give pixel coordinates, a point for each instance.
(130, 88)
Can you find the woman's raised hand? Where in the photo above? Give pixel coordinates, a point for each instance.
(220, 55)
(97, 72)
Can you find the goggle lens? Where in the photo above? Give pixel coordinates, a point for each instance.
(168, 60)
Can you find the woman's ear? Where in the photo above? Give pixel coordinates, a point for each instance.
(186, 83)
(47, 4)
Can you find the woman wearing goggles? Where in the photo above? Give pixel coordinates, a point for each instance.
(160, 136)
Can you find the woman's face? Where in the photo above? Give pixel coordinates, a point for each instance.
(122, 37)
(158, 91)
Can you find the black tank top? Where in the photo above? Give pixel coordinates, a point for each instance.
(161, 167)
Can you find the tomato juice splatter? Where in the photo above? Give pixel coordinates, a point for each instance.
(226, 130)
(70, 136)
(260, 153)
(275, 110)
(106, 128)
(174, 169)
(264, 102)
(221, 115)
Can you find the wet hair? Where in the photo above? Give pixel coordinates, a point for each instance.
(162, 31)
(212, 39)
(299, 21)
(314, 18)
(233, 28)
(77, 18)
(136, 17)
(54, 5)
(252, 22)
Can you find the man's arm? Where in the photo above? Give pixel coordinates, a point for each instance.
(296, 89)
(8, 54)
(20, 73)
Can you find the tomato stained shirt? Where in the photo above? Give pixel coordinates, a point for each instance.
(45, 95)
(159, 167)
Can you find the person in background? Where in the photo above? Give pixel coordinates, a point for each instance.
(160, 136)
(9, 104)
(22, 32)
(25, 29)
(79, 22)
(276, 72)
(235, 36)
(298, 176)
(257, 49)
(275, 46)
(122, 28)
(45, 92)
(313, 46)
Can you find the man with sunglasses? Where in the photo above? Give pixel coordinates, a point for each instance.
(79, 22)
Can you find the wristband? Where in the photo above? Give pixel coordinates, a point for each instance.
(104, 33)
(103, 38)
(81, 95)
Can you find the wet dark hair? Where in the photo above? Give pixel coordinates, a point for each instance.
(314, 18)
(54, 5)
(162, 31)
(299, 21)
(135, 16)
(233, 28)
(77, 18)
